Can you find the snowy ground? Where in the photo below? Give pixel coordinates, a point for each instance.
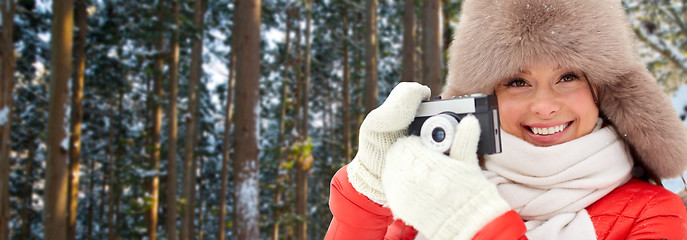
(679, 102)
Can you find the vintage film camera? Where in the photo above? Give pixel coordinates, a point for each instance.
(435, 122)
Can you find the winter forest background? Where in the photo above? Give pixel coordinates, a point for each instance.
(138, 120)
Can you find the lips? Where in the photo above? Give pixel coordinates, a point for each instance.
(549, 130)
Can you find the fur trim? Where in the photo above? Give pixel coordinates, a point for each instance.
(496, 39)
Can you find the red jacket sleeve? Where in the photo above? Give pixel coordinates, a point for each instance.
(355, 215)
(508, 226)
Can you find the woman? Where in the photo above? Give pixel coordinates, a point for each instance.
(586, 131)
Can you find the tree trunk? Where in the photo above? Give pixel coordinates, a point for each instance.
(119, 154)
(301, 171)
(325, 97)
(372, 47)
(187, 225)
(419, 36)
(332, 121)
(290, 12)
(408, 64)
(358, 83)
(76, 115)
(246, 181)
(226, 145)
(56, 179)
(153, 182)
(113, 194)
(298, 71)
(346, 105)
(206, 213)
(108, 175)
(7, 8)
(200, 161)
(298, 123)
(91, 202)
(171, 214)
(431, 45)
(26, 205)
(306, 79)
(117, 197)
(447, 34)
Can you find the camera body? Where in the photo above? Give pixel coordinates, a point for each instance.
(435, 122)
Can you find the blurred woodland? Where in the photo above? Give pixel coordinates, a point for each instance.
(216, 119)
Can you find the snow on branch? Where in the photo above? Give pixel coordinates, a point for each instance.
(673, 13)
(659, 45)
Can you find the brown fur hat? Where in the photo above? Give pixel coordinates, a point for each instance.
(495, 39)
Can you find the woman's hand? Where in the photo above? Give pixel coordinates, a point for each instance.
(443, 197)
(380, 129)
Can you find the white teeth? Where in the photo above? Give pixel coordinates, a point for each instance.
(548, 131)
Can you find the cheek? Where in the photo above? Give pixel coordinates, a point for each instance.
(588, 118)
(509, 113)
(586, 111)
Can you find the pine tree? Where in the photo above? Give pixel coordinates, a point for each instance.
(246, 181)
(153, 182)
(56, 166)
(285, 103)
(408, 74)
(171, 190)
(302, 165)
(187, 226)
(226, 146)
(6, 88)
(431, 45)
(371, 54)
(76, 116)
(346, 101)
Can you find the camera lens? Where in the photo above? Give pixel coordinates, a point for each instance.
(438, 134)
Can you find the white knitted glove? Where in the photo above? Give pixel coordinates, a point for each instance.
(442, 197)
(381, 128)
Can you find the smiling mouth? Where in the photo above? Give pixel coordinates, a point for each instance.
(549, 130)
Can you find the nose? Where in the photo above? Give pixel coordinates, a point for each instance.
(545, 103)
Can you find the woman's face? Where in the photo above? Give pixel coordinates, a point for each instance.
(546, 105)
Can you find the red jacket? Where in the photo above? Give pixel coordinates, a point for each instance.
(636, 210)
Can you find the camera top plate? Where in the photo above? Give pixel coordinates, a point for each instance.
(457, 105)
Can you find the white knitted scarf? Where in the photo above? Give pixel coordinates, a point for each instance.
(550, 187)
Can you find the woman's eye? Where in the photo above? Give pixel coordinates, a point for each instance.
(518, 82)
(569, 77)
